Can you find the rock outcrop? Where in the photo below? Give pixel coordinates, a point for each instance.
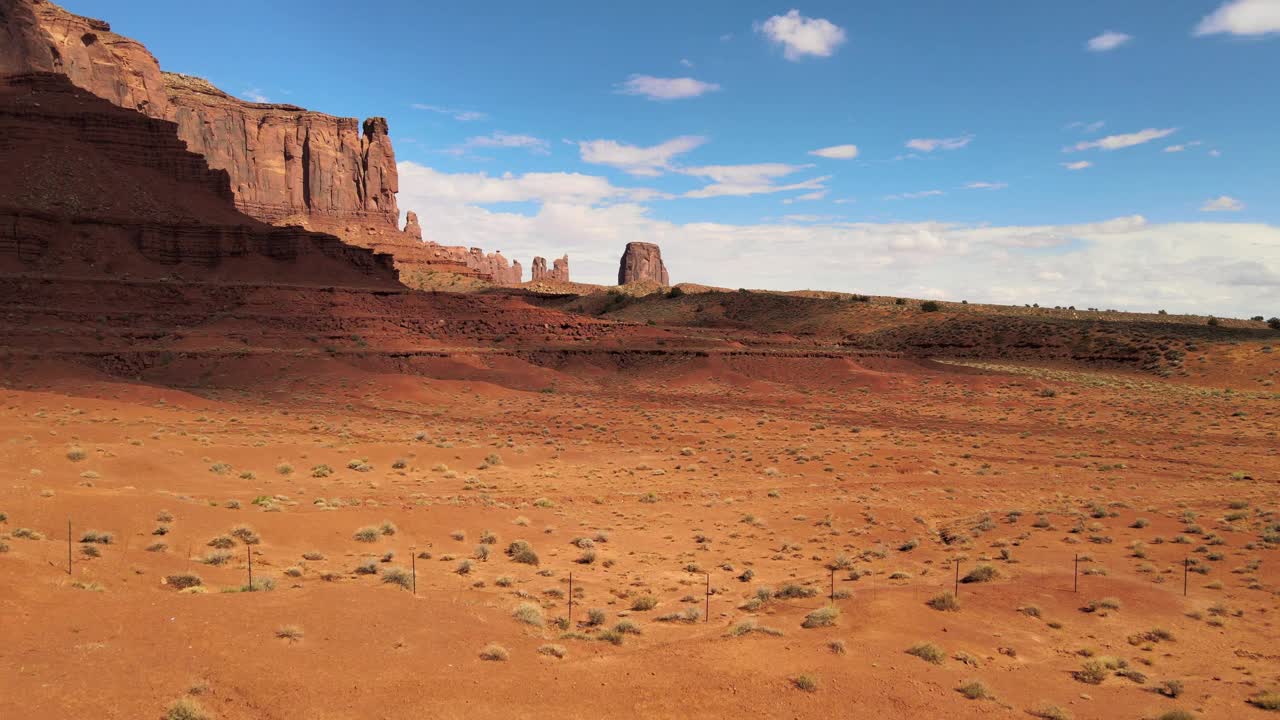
(91, 190)
(642, 262)
(559, 271)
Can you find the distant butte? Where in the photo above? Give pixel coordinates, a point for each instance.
(642, 262)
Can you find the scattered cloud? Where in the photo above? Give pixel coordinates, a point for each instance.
(754, 179)
(1222, 203)
(1107, 41)
(1089, 127)
(915, 195)
(809, 196)
(1215, 153)
(643, 161)
(1242, 17)
(686, 62)
(501, 140)
(1116, 142)
(1077, 165)
(656, 88)
(837, 152)
(982, 185)
(1123, 262)
(255, 95)
(1183, 146)
(459, 115)
(931, 144)
(800, 36)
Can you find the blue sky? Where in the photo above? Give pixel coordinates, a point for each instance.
(684, 122)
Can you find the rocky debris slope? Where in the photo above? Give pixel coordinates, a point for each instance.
(642, 262)
(91, 189)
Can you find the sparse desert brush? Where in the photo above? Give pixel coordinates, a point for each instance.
(27, 534)
(596, 616)
(321, 471)
(492, 459)
(284, 468)
(88, 585)
(522, 552)
(487, 537)
(791, 591)
(1178, 714)
(822, 617)
(217, 557)
(97, 536)
(928, 652)
(245, 534)
(313, 555)
(398, 576)
(688, 615)
(1030, 611)
(231, 504)
(529, 614)
(183, 581)
(4, 547)
(586, 558)
(494, 652)
(613, 637)
(163, 516)
(293, 572)
(1106, 603)
(975, 690)
(186, 709)
(90, 551)
(464, 567)
(805, 682)
(504, 581)
(481, 553)
(1047, 711)
(458, 535)
(292, 633)
(749, 626)
(387, 528)
(981, 574)
(1170, 688)
(944, 601)
(367, 534)
(627, 627)
(259, 584)
(222, 542)
(1269, 700)
(555, 651)
(76, 454)
(644, 602)
(1092, 672)
(367, 567)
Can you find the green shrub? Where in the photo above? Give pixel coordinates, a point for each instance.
(928, 652)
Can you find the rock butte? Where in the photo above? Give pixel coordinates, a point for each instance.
(559, 271)
(642, 262)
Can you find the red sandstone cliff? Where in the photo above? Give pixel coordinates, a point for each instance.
(559, 271)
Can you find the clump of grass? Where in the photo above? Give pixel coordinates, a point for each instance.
(183, 581)
(1170, 688)
(981, 574)
(464, 567)
(494, 652)
(313, 555)
(246, 535)
(555, 651)
(368, 567)
(805, 682)
(1178, 714)
(644, 602)
(97, 536)
(822, 617)
(217, 557)
(1049, 712)
(928, 652)
(791, 591)
(398, 576)
(522, 552)
(688, 615)
(1269, 700)
(529, 614)
(284, 468)
(837, 647)
(90, 551)
(292, 633)
(367, 534)
(27, 534)
(1106, 603)
(945, 601)
(186, 709)
(76, 454)
(222, 542)
(975, 690)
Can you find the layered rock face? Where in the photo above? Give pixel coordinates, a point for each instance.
(642, 262)
(91, 190)
(559, 271)
(284, 162)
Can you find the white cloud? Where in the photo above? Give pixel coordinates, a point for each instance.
(686, 62)
(1125, 262)
(1077, 165)
(1242, 17)
(755, 179)
(1215, 153)
(915, 195)
(421, 185)
(799, 35)
(1116, 142)
(1088, 127)
(1108, 40)
(1181, 147)
(931, 144)
(505, 140)
(255, 95)
(983, 185)
(837, 152)
(656, 88)
(643, 161)
(460, 115)
(1222, 203)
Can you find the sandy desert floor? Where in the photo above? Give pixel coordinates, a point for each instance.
(775, 486)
